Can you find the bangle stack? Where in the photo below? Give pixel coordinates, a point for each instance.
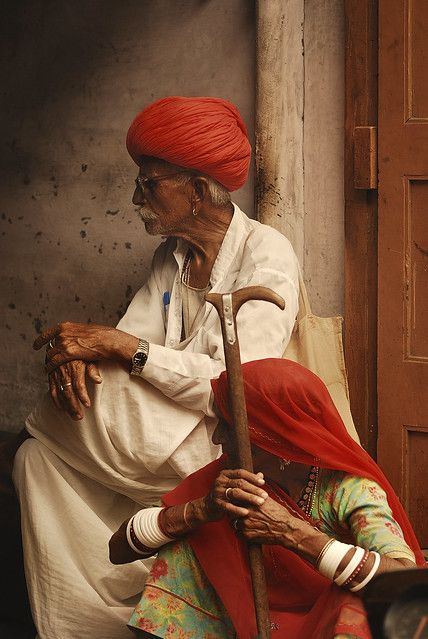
(330, 557)
(357, 569)
(134, 542)
(144, 532)
(371, 574)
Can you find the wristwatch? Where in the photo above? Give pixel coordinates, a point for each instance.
(139, 358)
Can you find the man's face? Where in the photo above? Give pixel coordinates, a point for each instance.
(164, 204)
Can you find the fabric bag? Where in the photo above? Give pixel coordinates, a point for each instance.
(316, 342)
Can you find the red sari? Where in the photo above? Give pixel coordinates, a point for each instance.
(290, 415)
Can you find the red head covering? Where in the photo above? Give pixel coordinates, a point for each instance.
(291, 415)
(206, 134)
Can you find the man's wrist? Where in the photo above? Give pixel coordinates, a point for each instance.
(139, 357)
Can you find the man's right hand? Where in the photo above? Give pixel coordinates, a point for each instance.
(67, 386)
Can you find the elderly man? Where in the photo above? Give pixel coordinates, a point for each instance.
(100, 451)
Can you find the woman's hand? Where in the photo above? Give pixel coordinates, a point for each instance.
(87, 342)
(234, 491)
(67, 386)
(259, 518)
(119, 550)
(272, 523)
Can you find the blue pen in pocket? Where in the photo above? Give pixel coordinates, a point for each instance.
(166, 300)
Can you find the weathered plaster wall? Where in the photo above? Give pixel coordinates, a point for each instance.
(300, 136)
(73, 75)
(323, 134)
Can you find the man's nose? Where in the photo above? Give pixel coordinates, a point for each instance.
(138, 197)
(215, 438)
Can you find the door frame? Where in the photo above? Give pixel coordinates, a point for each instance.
(360, 331)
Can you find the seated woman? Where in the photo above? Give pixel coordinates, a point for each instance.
(327, 516)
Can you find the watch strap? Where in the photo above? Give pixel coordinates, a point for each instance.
(139, 358)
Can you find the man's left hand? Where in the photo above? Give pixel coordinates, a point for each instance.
(88, 342)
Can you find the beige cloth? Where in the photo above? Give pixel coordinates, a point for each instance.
(67, 520)
(316, 342)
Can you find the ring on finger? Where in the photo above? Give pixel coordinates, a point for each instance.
(227, 493)
(63, 386)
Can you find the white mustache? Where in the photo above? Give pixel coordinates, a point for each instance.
(146, 214)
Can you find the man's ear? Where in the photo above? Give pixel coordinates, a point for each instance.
(200, 188)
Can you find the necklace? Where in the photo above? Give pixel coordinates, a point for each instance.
(185, 271)
(307, 497)
(186, 288)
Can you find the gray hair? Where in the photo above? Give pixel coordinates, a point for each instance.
(219, 195)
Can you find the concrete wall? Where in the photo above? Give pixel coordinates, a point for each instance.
(73, 75)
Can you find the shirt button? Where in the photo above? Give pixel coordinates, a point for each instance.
(171, 342)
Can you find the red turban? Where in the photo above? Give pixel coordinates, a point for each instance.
(206, 134)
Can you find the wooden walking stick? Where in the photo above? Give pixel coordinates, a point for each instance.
(227, 306)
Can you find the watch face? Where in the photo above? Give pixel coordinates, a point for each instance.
(139, 359)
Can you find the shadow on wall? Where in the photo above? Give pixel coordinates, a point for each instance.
(56, 53)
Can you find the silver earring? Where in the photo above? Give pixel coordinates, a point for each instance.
(194, 210)
(283, 463)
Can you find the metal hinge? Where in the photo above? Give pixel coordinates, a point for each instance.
(365, 157)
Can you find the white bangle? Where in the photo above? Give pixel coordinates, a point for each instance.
(352, 564)
(147, 530)
(332, 558)
(370, 575)
(130, 542)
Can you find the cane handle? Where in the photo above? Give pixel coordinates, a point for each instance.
(243, 295)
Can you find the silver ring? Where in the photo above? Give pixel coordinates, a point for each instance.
(63, 386)
(226, 493)
(52, 343)
(235, 524)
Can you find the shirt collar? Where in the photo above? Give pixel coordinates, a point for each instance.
(228, 248)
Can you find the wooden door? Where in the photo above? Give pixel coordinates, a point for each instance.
(403, 254)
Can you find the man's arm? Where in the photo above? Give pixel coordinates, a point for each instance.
(263, 329)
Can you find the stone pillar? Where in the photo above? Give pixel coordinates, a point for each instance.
(279, 118)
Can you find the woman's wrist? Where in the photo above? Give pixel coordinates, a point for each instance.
(306, 540)
(177, 521)
(201, 511)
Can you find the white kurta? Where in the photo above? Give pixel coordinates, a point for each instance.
(77, 481)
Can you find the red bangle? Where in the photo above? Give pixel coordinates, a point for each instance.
(357, 569)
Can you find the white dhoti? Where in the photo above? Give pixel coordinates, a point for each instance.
(78, 481)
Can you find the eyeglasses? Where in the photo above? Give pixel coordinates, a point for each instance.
(149, 183)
